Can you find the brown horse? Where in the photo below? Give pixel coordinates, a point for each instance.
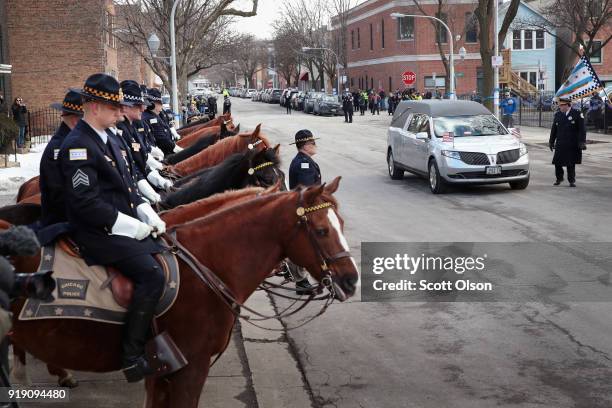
(28, 189)
(216, 153)
(225, 129)
(302, 225)
(195, 126)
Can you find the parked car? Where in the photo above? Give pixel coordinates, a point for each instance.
(166, 101)
(327, 105)
(275, 96)
(454, 142)
(266, 95)
(297, 101)
(309, 101)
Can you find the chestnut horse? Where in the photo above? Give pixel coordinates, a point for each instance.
(28, 189)
(223, 130)
(173, 217)
(302, 225)
(201, 124)
(216, 153)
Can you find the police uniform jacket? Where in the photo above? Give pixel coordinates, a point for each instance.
(126, 153)
(347, 102)
(98, 186)
(51, 180)
(145, 133)
(303, 170)
(568, 132)
(137, 145)
(160, 130)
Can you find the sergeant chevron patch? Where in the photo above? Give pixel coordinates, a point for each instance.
(80, 178)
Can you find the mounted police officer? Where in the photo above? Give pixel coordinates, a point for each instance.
(347, 106)
(137, 143)
(110, 220)
(159, 128)
(568, 139)
(53, 220)
(303, 171)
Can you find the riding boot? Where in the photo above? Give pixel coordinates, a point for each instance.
(303, 287)
(136, 332)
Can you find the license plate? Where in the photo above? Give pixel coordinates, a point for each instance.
(493, 170)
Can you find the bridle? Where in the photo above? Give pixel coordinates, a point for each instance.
(208, 277)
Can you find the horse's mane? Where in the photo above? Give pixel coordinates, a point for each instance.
(191, 211)
(192, 137)
(225, 175)
(217, 152)
(194, 148)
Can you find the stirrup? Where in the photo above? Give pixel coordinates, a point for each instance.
(164, 356)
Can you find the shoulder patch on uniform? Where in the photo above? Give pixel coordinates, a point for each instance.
(305, 165)
(78, 154)
(153, 121)
(119, 132)
(55, 153)
(140, 129)
(581, 115)
(80, 179)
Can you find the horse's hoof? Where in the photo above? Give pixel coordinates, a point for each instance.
(68, 381)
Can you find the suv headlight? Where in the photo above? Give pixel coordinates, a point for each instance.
(522, 149)
(452, 154)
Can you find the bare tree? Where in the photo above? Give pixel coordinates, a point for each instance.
(286, 56)
(485, 14)
(202, 37)
(250, 57)
(340, 10)
(583, 20)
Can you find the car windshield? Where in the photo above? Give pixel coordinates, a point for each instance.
(165, 99)
(329, 98)
(276, 92)
(477, 125)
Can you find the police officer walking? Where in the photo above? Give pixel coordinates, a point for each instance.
(347, 106)
(568, 139)
(109, 219)
(303, 171)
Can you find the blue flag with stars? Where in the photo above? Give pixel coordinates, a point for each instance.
(582, 82)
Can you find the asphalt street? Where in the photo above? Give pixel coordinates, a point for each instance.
(541, 354)
(426, 355)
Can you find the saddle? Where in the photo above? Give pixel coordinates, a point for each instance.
(121, 287)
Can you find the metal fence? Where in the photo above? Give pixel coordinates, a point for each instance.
(537, 110)
(42, 124)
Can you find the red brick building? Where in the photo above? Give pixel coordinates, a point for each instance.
(381, 48)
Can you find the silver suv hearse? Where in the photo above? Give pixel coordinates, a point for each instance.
(454, 142)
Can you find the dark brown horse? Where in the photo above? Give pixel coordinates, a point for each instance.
(184, 130)
(223, 130)
(218, 152)
(301, 225)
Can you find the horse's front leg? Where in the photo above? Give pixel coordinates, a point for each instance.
(64, 378)
(185, 386)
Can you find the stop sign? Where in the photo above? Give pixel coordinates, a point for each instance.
(409, 77)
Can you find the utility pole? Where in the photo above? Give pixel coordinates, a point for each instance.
(496, 67)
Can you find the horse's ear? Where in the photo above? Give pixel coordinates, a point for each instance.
(257, 129)
(237, 129)
(223, 127)
(333, 186)
(312, 192)
(276, 149)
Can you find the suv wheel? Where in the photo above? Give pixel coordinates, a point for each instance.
(519, 185)
(394, 172)
(436, 183)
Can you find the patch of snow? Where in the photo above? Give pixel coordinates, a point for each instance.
(13, 177)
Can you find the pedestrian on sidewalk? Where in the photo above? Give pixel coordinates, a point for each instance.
(375, 103)
(568, 139)
(20, 116)
(288, 106)
(508, 106)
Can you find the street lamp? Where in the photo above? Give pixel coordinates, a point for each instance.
(451, 56)
(175, 107)
(153, 43)
(304, 49)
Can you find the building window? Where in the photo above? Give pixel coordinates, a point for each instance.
(390, 85)
(372, 83)
(596, 52)
(358, 39)
(352, 39)
(441, 32)
(371, 38)
(528, 40)
(352, 84)
(530, 76)
(439, 83)
(471, 28)
(539, 38)
(405, 28)
(111, 41)
(516, 40)
(382, 32)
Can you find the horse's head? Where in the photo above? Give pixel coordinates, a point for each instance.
(258, 140)
(264, 168)
(319, 244)
(228, 128)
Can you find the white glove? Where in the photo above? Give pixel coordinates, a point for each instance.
(177, 148)
(148, 215)
(130, 227)
(175, 134)
(157, 153)
(154, 164)
(147, 191)
(157, 180)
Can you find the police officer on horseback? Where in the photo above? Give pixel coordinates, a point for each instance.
(157, 123)
(111, 223)
(53, 218)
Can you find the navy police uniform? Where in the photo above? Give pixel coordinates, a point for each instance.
(567, 138)
(158, 126)
(303, 170)
(347, 107)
